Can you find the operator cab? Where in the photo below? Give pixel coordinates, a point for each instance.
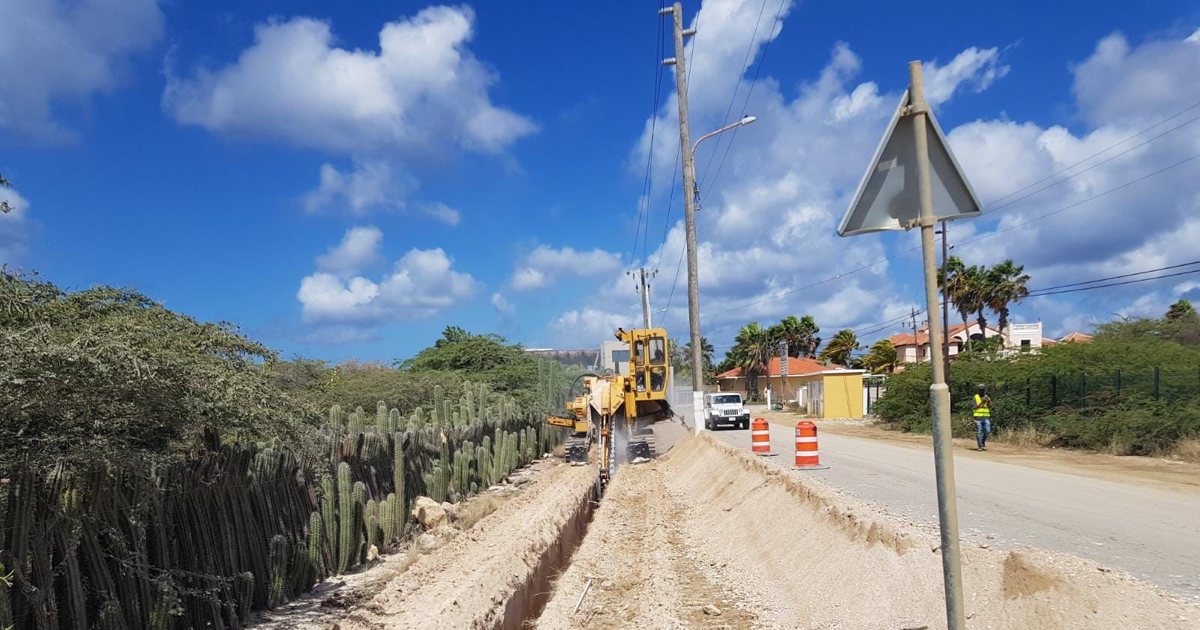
(648, 362)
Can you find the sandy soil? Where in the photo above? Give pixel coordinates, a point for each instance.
(1150, 471)
(709, 525)
(475, 579)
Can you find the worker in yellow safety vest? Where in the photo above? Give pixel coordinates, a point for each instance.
(983, 417)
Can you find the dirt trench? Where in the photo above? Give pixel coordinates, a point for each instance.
(709, 536)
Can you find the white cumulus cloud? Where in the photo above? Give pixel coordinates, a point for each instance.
(544, 264)
(359, 249)
(422, 283)
(55, 52)
(421, 90)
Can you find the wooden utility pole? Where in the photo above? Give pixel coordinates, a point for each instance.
(689, 205)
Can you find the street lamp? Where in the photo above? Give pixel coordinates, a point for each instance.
(690, 203)
(746, 120)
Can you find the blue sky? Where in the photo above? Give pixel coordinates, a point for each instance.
(268, 164)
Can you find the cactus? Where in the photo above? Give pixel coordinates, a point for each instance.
(329, 519)
(401, 500)
(315, 558)
(5, 583)
(387, 519)
(359, 498)
(345, 519)
(439, 397)
(373, 528)
(356, 422)
(485, 461)
(442, 469)
(277, 591)
(336, 418)
(445, 419)
(394, 421)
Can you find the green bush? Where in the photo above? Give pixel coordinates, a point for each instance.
(1134, 390)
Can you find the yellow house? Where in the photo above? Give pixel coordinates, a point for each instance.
(823, 391)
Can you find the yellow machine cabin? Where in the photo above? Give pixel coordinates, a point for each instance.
(615, 410)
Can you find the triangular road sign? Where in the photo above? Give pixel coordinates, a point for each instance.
(887, 196)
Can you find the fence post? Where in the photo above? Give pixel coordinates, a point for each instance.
(1157, 388)
(1027, 396)
(1053, 390)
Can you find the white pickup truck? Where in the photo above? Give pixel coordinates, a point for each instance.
(723, 408)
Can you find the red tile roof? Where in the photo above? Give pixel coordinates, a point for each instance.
(1077, 336)
(922, 336)
(796, 367)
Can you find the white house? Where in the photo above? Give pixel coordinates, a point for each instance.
(914, 348)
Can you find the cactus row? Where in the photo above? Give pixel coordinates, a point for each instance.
(239, 528)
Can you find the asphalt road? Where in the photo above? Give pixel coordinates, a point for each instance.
(1151, 533)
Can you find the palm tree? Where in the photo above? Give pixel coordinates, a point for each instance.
(1006, 284)
(800, 333)
(839, 348)
(881, 358)
(751, 351)
(706, 352)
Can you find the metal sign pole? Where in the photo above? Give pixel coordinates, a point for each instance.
(939, 393)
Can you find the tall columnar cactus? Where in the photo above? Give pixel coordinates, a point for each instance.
(398, 481)
(329, 518)
(395, 421)
(277, 591)
(315, 558)
(337, 418)
(373, 525)
(468, 402)
(485, 461)
(447, 412)
(443, 467)
(387, 519)
(439, 397)
(346, 528)
(355, 422)
(359, 496)
(381, 416)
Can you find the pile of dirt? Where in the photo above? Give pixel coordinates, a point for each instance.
(711, 525)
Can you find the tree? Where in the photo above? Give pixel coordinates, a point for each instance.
(800, 333)
(1181, 310)
(706, 352)
(840, 347)
(881, 358)
(108, 374)
(1006, 285)
(751, 352)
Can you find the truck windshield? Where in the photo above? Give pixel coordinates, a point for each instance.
(728, 399)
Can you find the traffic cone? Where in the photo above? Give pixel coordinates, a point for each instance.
(808, 457)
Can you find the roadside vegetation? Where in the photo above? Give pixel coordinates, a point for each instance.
(1133, 390)
(161, 472)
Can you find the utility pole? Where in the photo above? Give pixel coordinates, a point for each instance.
(644, 289)
(939, 393)
(689, 207)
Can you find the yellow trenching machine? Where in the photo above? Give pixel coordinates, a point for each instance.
(614, 411)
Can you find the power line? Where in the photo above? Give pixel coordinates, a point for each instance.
(1096, 165)
(967, 242)
(736, 87)
(644, 202)
(1104, 150)
(1114, 284)
(746, 104)
(1127, 275)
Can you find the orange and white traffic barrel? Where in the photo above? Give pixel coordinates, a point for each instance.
(760, 437)
(808, 456)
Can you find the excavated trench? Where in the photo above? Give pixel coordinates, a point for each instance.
(528, 600)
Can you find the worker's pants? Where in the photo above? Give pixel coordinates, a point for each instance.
(983, 426)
